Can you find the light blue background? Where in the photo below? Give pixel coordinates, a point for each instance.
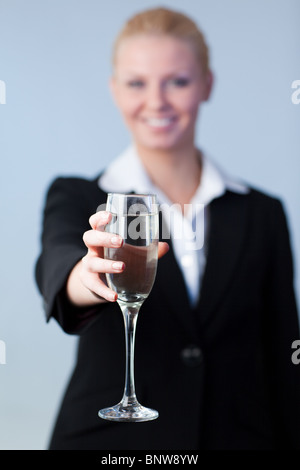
(59, 119)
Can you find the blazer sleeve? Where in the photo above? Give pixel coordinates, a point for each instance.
(65, 219)
(282, 329)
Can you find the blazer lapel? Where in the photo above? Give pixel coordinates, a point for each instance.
(172, 287)
(227, 229)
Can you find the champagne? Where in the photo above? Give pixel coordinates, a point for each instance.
(135, 218)
(139, 254)
(135, 282)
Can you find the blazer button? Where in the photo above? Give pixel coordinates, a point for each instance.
(191, 355)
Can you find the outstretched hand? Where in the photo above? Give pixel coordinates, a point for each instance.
(94, 266)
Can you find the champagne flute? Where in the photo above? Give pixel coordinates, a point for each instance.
(135, 219)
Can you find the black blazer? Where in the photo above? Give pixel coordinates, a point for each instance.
(220, 374)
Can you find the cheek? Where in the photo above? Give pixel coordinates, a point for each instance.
(188, 103)
(129, 106)
(190, 109)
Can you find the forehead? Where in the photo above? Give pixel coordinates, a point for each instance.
(146, 53)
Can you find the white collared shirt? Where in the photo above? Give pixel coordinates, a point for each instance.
(188, 230)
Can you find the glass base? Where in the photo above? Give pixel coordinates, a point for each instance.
(130, 413)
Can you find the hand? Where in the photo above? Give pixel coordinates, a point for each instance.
(94, 266)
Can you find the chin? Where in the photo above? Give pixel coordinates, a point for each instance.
(159, 144)
(157, 147)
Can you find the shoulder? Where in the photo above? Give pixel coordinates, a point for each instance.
(255, 199)
(71, 196)
(75, 183)
(79, 188)
(267, 205)
(260, 208)
(259, 197)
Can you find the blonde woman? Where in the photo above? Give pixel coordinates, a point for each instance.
(213, 344)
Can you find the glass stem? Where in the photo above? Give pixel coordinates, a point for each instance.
(130, 314)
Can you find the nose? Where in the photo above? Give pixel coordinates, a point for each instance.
(156, 97)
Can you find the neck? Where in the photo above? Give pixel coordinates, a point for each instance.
(176, 173)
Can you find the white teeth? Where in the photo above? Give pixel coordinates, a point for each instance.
(156, 122)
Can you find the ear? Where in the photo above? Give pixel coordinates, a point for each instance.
(113, 88)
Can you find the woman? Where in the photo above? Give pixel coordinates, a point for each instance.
(213, 343)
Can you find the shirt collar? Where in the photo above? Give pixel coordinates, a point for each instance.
(126, 173)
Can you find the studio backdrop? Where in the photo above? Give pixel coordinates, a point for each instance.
(57, 117)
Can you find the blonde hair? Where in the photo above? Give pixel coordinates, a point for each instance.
(166, 22)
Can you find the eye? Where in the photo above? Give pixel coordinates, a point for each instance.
(135, 83)
(180, 82)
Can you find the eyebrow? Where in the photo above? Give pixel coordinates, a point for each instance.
(136, 74)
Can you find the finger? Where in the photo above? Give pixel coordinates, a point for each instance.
(97, 238)
(94, 264)
(98, 220)
(163, 248)
(100, 289)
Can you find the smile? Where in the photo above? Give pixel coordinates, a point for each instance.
(159, 122)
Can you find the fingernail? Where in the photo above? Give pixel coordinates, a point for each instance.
(103, 219)
(118, 266)
(117, 241)
(113, 296)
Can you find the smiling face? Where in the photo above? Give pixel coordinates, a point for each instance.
(158, 85)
